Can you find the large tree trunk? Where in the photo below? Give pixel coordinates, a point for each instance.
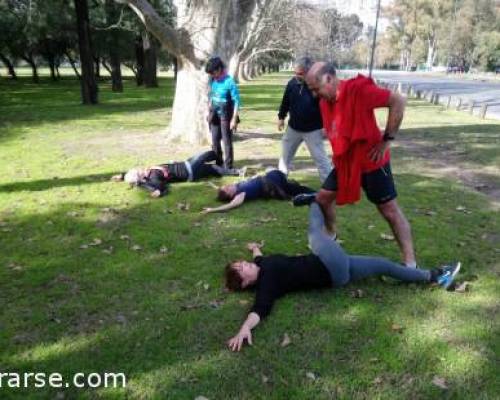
(150, 62)
(218, 30)
(9, 66)
(192, 102)
(112, 16)
(88, 83)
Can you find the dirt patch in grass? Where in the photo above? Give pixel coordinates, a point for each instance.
(445, 160)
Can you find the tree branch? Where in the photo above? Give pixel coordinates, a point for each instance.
(174, 41)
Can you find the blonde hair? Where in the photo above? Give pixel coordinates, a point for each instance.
(133, 176)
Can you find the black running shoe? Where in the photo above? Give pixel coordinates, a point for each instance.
(304, 199)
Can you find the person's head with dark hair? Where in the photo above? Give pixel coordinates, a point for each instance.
(215, 67)
(240, 275)
(226, 193)
(322, 80)
(301, 67)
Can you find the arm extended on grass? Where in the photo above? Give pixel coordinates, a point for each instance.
(237, 201)
(245, 332)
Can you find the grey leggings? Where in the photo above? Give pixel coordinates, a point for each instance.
(344, 268)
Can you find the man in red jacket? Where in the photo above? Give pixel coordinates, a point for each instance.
(360, 151)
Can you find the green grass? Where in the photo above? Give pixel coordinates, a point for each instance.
(162, 318)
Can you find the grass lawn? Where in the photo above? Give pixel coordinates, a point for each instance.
(95, 277)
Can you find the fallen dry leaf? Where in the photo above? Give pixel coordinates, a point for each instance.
(243, 302)
(136, 247)
(386, 236)
(206, 286)
(163, 250)
(96, 242)
(84, 246)
(371, 227)
(377, 380)
(183, 206)
(463, 287)
(397, 328)
(440, 382)
(124, 237)
(265, 379)
(357, 294)
(286, 340)
(200, 398)
(109, 250)
(311, 376)
(72, 214)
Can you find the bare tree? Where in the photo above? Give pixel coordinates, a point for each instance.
(201, 29)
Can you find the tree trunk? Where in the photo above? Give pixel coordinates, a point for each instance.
(176, 67)
(431, 51)
(218, 30)
(139, 57)
(150, 61)
(112, 16)
(190, 108)
(73, 64)
(52, 66)
(88, 83)
(9, 66)
(97, 63)
(34, 70)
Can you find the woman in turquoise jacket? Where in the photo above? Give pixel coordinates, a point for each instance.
(225, 103)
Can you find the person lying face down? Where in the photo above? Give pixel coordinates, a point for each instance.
(327, 266)
(273, 185)
(155, 179)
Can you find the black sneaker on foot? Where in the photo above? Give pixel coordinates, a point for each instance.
(304, 199)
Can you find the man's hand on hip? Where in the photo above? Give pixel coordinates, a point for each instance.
(377, 152)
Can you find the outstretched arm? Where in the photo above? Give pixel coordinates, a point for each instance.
(237, 201)
(245, 332)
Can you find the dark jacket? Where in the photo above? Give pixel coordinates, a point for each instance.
(303, 108)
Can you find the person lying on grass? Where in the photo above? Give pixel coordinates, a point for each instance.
(273, 185)
(327, 266)
(155, 179)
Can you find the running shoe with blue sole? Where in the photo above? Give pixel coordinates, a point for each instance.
(448, 275)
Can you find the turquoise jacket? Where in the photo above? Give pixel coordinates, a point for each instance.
(224, 91)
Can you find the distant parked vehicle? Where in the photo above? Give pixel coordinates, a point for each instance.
(455, 69)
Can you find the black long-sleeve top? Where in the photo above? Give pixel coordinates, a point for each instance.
(302, 106)
(158, 179)
(281, 274)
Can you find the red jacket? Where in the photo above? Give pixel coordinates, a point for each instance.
(352, 129)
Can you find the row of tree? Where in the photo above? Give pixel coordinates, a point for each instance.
(456, 33)
(253, 36)
(45, 32)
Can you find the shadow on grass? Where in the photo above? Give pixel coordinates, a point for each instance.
(149, 314)
(45, 184)
(29, 105)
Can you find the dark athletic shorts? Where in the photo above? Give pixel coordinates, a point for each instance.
(378, 184)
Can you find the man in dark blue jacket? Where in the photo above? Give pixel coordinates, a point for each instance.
(304, 123)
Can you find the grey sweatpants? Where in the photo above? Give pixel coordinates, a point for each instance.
(344, 268)
(314, 142)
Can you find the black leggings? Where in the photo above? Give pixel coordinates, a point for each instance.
(200, 167)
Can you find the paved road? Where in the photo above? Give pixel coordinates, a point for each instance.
(482, 91)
